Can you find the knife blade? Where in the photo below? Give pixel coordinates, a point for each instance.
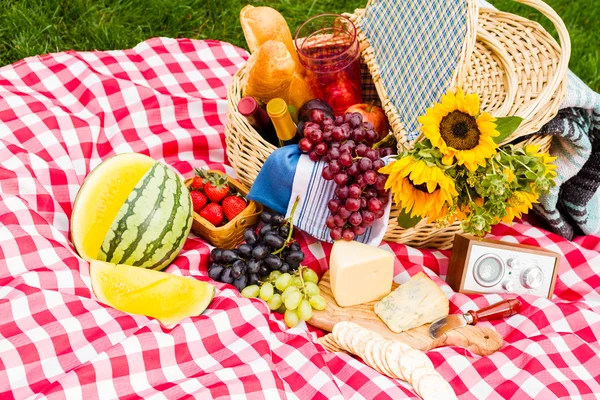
(502, 309)
(447, 323)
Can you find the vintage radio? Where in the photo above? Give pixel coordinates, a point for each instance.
(492, 266)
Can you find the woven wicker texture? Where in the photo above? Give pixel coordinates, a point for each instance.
(535, 62)
(515, 66)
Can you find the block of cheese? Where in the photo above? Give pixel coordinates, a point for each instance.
(417, 302)
(359, 273)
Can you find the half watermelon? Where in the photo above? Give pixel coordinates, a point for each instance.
(131, 210)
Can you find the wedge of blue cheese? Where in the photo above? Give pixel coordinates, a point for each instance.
(419, 301)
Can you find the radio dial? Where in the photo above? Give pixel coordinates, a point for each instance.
(532, 277)
(514, 263)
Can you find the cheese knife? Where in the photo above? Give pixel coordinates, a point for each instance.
(502, 309)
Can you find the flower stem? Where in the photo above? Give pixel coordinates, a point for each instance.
(517, 160)
(290, 221)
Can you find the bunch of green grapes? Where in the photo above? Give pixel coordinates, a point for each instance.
(294, 295)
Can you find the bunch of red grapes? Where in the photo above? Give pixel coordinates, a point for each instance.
(345, 143)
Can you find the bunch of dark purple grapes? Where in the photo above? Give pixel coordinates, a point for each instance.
(267, 249)
(346, 144)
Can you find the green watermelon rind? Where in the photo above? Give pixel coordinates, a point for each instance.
(152, 225)
(86, 190)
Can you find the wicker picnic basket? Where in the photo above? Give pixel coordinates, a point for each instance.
(512, 63)
(230, 234)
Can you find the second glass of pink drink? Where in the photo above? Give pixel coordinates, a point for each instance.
(329, 50)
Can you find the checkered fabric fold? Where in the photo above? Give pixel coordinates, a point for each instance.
(61, 114)
(417, 46)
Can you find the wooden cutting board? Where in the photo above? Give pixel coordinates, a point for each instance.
(480, 340)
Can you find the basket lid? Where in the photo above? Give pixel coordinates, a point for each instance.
(420, 49)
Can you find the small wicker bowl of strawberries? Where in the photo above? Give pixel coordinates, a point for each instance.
(221, 210)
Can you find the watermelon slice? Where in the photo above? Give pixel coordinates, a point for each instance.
(168, 298)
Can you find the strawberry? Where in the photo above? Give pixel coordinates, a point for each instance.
(217, 189)
(232, 206)
(198, 201)
(203, 174)
(197, 183)
(213, 213)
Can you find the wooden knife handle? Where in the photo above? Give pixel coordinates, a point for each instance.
(502, 309)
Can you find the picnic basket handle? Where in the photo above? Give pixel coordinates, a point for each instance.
(564, 44)
(510, 71)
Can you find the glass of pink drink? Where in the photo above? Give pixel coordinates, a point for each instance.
(329, 50)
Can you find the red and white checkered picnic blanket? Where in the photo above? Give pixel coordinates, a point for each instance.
(61, 114)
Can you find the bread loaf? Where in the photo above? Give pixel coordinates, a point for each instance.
(261, 24)
(269, 79)
(270, 70)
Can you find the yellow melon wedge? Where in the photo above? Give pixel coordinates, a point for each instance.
(100, 198)
(168, 298)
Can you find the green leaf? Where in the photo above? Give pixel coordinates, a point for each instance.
(506, 126)
(406, 221)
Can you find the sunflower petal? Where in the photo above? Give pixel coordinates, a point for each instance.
(532, 149)
(487, 128)
(431, 185)
(472, 104)
(449, 102)
(429, 119)
(460, 101)
(487, 117)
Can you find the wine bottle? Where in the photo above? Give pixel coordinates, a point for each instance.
(282, 120)
(259, 119)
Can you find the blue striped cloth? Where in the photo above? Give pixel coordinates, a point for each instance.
(274, 189)
(314, 192)
(417, 46)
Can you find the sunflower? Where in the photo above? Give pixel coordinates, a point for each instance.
(456, 127)
(518, 204)
(421, 189)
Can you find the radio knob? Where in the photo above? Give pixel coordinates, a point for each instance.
(514, 263)
(532, 277)
(509, 286)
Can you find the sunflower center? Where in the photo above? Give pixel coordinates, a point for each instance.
(459, 130)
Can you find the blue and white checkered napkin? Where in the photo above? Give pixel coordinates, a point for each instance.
(417, 45)
(273, 189)
(314, 192)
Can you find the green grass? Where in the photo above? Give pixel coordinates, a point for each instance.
(31, 27)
